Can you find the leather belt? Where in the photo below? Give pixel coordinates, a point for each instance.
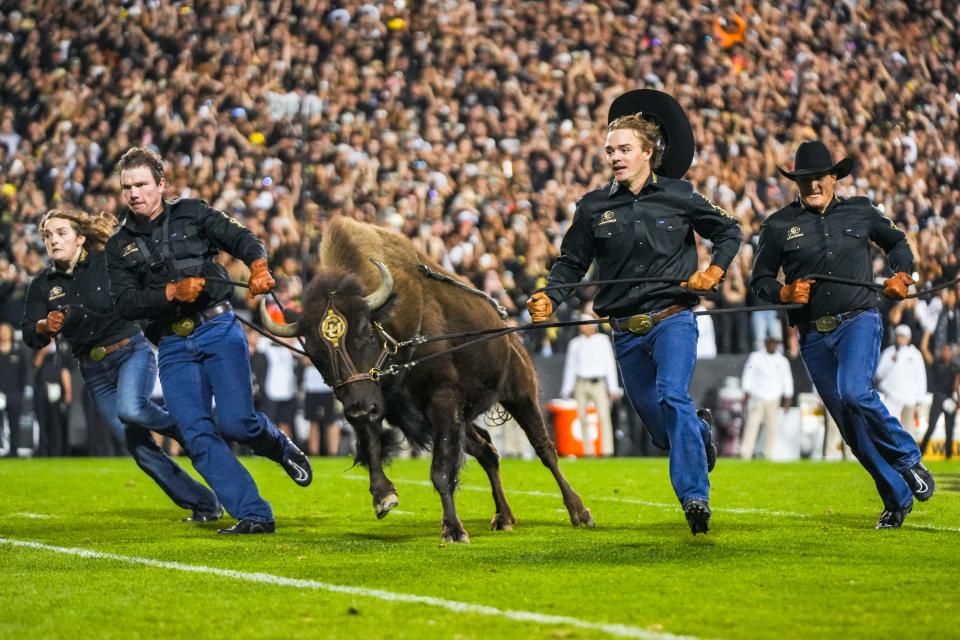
(187, 325)
(826, 324)
(99, 353)
(642, 323)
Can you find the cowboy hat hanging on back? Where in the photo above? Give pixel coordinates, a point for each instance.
(813, 158)
(675, 130)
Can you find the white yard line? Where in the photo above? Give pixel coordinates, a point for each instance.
(656, 505)
(619, 630)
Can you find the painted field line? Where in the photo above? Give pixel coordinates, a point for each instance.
(619, 630)
(657, 505)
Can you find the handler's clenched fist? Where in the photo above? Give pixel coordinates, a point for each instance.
(540, 307)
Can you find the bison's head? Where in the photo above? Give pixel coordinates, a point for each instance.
(337, 325)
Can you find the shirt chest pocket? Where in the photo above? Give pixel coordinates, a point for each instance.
(669, 225)
(609, 237)
(186, 241)
(854, 236)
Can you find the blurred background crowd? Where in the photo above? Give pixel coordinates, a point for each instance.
(473, 127)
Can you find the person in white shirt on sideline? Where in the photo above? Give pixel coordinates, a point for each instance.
(280, 387)
(590, 375)
(767, 385)
(902, 376)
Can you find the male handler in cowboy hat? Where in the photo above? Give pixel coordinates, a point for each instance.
(840, 327)
(641, 224)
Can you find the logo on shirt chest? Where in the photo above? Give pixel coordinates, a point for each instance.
(130, 248)
(607, 217)
(794, 233)
(56, 292)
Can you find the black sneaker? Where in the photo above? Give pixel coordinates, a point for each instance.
(707, 416)
(296, 463)
(893, 519)
(698, 515)
(204, 516)
(920, 481)
(246, 525)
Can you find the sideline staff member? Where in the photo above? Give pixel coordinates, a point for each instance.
(840, 327)
(157, 261)
(641, 224)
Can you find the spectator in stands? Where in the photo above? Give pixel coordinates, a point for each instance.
(767, 385)
(946, 329)
(839, 324)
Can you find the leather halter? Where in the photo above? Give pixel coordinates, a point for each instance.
(333, 330)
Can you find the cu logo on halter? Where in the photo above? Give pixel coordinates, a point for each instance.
(333, 327)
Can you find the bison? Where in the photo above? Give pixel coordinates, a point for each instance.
(371, 292)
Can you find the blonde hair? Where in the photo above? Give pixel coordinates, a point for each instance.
(646, 131)
(97, 229)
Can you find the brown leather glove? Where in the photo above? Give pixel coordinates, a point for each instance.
(186, 290)
(895, 288)
(52, 323)
(540, 307)
(797, 292)
(704, 280)
(260, 279)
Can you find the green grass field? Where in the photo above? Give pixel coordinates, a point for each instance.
(792, 553)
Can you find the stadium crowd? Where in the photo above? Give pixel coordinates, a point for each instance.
(473, 127)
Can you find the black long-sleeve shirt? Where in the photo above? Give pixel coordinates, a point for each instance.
(196, 234)
(803, 241)
(84, 296)
(648, 234)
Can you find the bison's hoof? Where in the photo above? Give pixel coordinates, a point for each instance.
(582, 519)
(454, 534)
(386, 505)
(502, 522)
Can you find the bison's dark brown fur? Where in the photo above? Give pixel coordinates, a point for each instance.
(435, 404)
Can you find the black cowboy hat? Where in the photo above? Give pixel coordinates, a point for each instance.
(669, 116)
(814, 158)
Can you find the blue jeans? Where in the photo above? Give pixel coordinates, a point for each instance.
(841, 365)
(213, 363)
(656, 370)
(120, 386)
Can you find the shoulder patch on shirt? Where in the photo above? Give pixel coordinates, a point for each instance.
(607, 217)
(794, 233)
(56, 292)
(232, 220)
(130, 248)
(716, 207)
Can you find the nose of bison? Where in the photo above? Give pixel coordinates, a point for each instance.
(364, 411)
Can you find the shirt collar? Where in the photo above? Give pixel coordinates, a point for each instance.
(133, 221)
(81, 262)
(653, 181)
(804, 208)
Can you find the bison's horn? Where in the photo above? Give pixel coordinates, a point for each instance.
(377, 299)
(276, 328)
